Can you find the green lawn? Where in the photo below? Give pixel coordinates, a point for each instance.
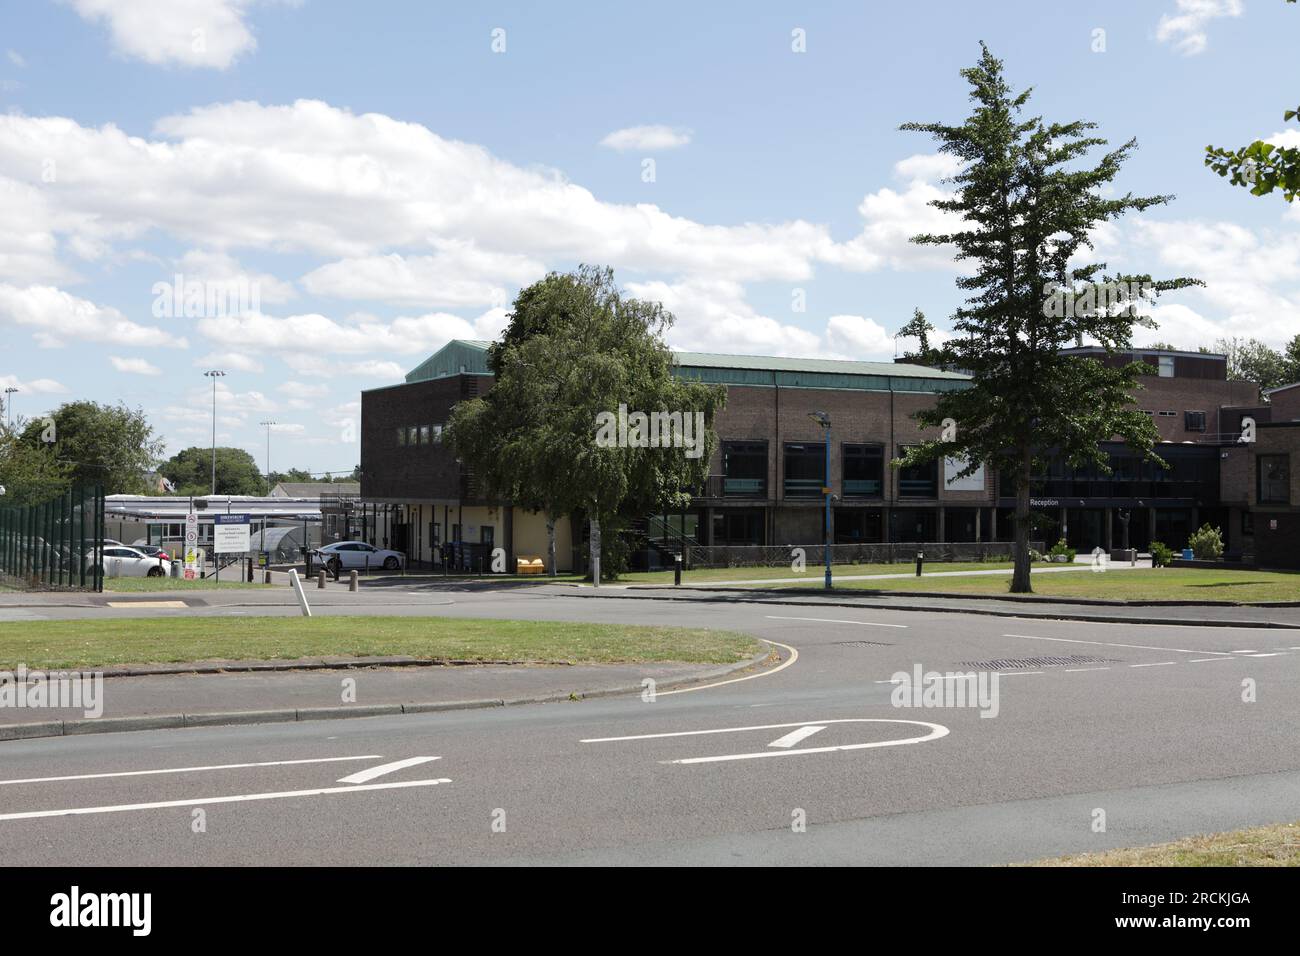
(813, 573)
(1258, 846)
(88, 644)
(1154, 584)
(176, 584)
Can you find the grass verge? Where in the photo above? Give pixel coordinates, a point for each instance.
(1152, 584)
(133, 585)
(1258, 846)
(49, 645)
(813, 573)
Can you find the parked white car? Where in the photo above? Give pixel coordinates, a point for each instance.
(123, 562)
(359, 555)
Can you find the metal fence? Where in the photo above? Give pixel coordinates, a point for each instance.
(55, 545)
(771, 556)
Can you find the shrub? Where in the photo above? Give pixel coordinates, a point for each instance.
(1161, 554)
(1061, 549)
(1206, 544)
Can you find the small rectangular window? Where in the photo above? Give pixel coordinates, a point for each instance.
(412, 435)
(1168, 414)
(424, 434)
(1274, 477)
(1194, 421)
(401, 436)
(1166, 366)
(437, 434)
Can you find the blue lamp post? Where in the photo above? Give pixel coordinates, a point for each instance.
(824, 420)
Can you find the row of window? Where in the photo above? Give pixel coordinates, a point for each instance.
(1192, 421)
(418, 435)
(744, 471)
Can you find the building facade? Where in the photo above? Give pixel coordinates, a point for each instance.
(766, 477)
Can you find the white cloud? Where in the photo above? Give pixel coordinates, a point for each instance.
(229, 360)
(647, 138)
(39, 386)
(713, 315)
(199, 33)
(314, 178)
(134, 366)
(459, 274)
(859, 337)
(1186, 28)
(891, 218)
(209, 266)
(59, 318)
(16, 58)
(303, 389)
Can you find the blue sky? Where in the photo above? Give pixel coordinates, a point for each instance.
(387, 180)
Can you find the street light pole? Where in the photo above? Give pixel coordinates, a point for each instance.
(214, 374)
(824, 420)
(9, 405)
(268, 425)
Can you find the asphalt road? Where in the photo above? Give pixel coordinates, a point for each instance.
(1144, 723)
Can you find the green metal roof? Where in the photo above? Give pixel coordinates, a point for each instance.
(469, 357)
(457, 357)
(767, 370)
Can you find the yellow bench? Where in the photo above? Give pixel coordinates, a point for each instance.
(530, 566)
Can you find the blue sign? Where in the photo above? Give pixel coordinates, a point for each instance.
(232, 519)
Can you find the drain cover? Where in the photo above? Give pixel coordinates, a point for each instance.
(1011, 663)
(863, 644)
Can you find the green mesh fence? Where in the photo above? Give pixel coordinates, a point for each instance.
(55, 545)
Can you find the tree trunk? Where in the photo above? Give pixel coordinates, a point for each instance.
(1020, 576)
(595, 550)
(550, 544)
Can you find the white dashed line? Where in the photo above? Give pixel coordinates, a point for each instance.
(1140, 647)
(1161, 664)
(828, 620)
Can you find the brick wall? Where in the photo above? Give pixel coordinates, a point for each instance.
(403, 472)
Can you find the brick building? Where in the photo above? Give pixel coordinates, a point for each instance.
(765, 480)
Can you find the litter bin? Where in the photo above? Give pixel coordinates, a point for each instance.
(1187, 554)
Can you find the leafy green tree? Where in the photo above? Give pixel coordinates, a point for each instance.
(110, 445)
(577, 347)
(1260, 167)
(1029, 201)
(1291, 358)
(190, 470)
(1250, 360)
(30, 473)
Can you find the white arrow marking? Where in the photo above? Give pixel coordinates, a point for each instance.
(365, 776)
(205, 801)
(794, 736)
(222, 766)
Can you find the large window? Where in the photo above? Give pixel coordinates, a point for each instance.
(918, 481)
(744, 469)
(805, 469)
(1274, 480)
(1194, 421)
(864, 471)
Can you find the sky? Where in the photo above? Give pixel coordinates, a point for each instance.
(315, 195)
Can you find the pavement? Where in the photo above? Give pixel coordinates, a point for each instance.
(1158, 731)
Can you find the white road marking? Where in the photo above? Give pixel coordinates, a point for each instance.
(224, 766)
(1206, 660)
(1283, 654)
(1141, 647)
(1017, 673)
(1078, 670)
(205, 801)
(794, 736)
(167, 604)
(829, 620)
(794, 656)
(1245, 652)
(365, 776)
(1161, 664)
